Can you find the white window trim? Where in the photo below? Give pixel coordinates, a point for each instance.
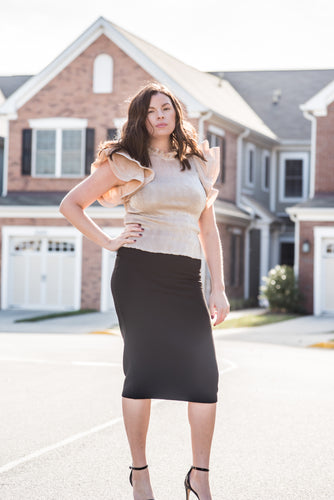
(58, 124)
(265, 154)
(48, 231)
(293, 156)
(216, 130)
(250, 147)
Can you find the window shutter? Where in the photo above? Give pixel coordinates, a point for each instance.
(223, 160)
(26, 151)
(112, 134)
(90, 149)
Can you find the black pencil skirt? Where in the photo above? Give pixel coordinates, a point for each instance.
(165, 323)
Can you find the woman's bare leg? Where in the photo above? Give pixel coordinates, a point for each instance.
(202, 417)
(136, 414)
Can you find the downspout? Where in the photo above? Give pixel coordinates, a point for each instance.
(202, 119)
(206, 278)
(5, 160)
(273, 179)
(241, 136)
(313, 120)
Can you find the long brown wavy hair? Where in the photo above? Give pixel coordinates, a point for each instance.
(135, 137)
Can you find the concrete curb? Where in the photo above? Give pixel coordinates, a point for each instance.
(106, 332)
(323, 345)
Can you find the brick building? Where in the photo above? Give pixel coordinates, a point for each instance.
(314, 219)
(55, 121)
(51, 125)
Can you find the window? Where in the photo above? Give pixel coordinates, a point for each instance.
(265, 171)
(58, 147)
(45, 152)
(250, 165)
(287, 252)
(293, 176)
(293, 186)
(58, 153)
(216, 140)
(103, 74)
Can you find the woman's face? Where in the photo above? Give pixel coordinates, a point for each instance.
(161, 115)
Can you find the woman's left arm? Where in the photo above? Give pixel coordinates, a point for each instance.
(210, 242)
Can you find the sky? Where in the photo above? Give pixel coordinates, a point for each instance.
(211, 35)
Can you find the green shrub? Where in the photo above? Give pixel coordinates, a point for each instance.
(281, 290)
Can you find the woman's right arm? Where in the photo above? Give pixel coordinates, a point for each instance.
(82, 196)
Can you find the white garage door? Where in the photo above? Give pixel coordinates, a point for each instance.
(42, 272)
(327, 246)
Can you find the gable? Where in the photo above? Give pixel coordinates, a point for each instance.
(319, 103)
(70, 92)
(95, 31)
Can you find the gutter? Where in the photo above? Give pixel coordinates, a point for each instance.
(241, 136)
(5, 159)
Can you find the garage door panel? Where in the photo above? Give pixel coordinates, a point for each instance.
(17, 281)
(53, 280)
(68, 284)
(60, 283)
(33, 279)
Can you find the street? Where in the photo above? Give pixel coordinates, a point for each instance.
(62, 435)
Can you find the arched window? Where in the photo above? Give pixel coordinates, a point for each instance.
(103, 74)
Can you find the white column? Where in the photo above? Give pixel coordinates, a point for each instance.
(274, 254)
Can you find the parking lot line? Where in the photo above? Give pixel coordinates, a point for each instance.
(64, 442)
(52, 362)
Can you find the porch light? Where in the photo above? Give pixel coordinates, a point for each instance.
(306, 246)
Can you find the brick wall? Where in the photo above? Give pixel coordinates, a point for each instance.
(227, 190)
(324, 182)
(306, 261)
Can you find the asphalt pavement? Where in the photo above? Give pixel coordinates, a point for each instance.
(62, 435)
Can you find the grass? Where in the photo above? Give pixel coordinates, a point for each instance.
(55, 315)
(255, 320)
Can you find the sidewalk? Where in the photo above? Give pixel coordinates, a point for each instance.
(301, 332)
(81, 323)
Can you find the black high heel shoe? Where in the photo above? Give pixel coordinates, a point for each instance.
(137, 468)
(187, 484)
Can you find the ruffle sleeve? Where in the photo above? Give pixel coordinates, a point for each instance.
(208, 170)
(126, 169)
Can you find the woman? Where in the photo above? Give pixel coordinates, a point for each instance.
(165, 181)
